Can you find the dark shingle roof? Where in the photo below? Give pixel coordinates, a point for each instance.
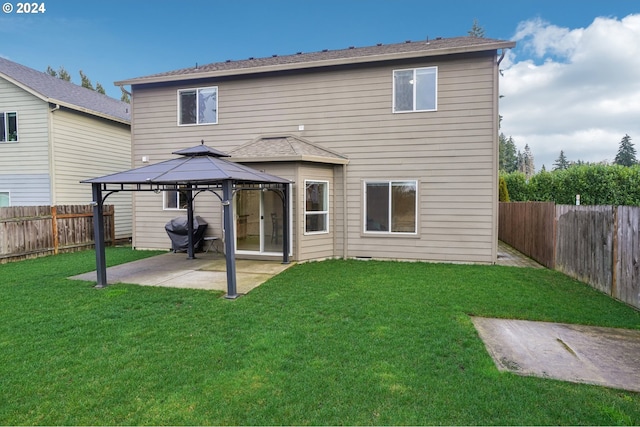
(59, 91)
(380, 52)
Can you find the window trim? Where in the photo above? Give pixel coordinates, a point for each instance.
(389, 233)
(197, 90)
(324, 212)
(4, 139)
(178, 191)
(414, 110)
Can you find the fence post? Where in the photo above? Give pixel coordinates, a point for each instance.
(54, 228)
(614, 267)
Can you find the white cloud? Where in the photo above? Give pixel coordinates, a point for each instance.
(577, 91)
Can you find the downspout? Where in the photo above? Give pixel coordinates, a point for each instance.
(131, 95)
(133, 163)
(52, 163)
(345, 220)
(504, 52)
(496, 204)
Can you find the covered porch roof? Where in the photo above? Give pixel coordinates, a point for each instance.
(286, 148)
(199, 168)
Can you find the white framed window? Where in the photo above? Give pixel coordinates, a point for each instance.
(174, 199)
(5, 199)
(198, 106)
(316, 207)
(415, 90)
(8, 127)
(391, 207)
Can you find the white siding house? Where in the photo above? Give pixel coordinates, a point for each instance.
(392, 149)
(53, 134)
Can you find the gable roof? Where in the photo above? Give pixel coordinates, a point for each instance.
(57, 91)
(351, 55)
(285, 148)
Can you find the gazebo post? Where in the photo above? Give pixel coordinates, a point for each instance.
(98, 236)
(190, 251)
(230, 256)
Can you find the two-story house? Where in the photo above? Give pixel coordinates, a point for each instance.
(392, 149)
(53, 134)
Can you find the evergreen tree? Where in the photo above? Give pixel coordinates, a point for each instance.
(507, 155)
(476, 30)
(561, 162)
(62, 74)
(626, 153)
(125, 96)
(85, 82)
(526, 163)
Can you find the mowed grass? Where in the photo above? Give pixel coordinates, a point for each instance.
(333, 342)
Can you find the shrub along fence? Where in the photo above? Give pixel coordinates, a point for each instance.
(599, 245)
(31, 231)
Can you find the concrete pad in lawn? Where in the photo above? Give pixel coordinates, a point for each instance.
(585, 354)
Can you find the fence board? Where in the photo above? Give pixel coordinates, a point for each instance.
(584, 248)
(627, 288)
(28, 231)
(528, 227)
(599, 245)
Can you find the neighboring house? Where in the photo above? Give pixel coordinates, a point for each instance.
(392, 149)
(53, 134)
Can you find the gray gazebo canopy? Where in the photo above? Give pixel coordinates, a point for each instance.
(200, 168)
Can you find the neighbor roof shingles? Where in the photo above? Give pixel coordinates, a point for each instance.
(329, 57)
(56, 90)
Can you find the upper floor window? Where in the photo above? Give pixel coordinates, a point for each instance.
(175, 199)
(316, 207)
(198, 106)
(8, 127)
(415, 90)
(390, 207)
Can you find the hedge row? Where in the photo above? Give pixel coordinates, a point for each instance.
(596, 185)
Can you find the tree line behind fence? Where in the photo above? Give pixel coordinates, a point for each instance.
(31, 231)
(599, 245)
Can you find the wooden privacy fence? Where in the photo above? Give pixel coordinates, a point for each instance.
(599, 245)
(529, 227)
(31, 231)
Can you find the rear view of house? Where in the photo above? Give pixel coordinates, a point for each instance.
(391, 149)
(53, 134)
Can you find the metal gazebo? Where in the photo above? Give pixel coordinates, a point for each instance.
(198, 169)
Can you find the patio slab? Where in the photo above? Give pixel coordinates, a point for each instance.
(575, 353)
(207, 271)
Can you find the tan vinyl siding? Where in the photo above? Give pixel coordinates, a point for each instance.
(30, 155)
(450, 152)
(85, 147)
(321, 245)
(151, 218)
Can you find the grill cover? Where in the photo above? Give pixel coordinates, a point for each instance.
(178, 231)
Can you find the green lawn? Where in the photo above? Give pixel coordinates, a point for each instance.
(334, 342)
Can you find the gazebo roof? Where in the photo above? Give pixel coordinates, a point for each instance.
(197, 165)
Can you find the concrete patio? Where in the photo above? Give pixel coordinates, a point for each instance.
(207, 271)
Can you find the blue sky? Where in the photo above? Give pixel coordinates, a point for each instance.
(116, 40)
